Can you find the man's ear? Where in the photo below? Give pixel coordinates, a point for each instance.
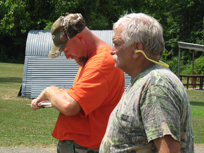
(81, 37)
(135, 55)
(137, 46)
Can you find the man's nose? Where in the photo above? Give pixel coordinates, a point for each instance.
(112, 51)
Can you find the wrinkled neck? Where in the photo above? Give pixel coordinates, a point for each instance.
(92, 42)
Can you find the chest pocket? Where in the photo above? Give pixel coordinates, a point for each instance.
(129, 124)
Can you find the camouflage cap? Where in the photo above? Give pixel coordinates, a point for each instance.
(63, 29)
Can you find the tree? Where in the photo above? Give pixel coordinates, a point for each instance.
(181, 20)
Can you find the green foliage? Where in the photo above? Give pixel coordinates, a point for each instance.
(198, 66)
(200, 40)
(48, 25)
(173, 64)
(16, 17)
(185, 66)
(181, 20)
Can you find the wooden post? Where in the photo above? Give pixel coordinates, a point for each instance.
(193, 62)
(193, 79)
(179, 58)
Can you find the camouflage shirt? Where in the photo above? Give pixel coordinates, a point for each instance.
(155, 104)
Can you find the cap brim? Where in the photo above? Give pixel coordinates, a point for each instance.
(52, 53)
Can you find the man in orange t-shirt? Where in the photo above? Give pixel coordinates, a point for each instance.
(97, 88)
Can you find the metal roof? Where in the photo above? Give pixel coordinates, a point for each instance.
(40, 71)
(189, 46)
(39, 42)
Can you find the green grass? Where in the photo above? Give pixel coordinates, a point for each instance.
(22, 127)
(19, 124)
(196, 98)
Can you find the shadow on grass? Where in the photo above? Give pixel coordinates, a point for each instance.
(11, 79)
(195, 103)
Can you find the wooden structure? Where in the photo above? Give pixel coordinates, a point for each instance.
(193, 47)
(194, 80)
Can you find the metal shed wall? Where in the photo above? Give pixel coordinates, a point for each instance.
(40, 71)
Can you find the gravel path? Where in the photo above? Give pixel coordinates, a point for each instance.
(198, 149)
(28, 150)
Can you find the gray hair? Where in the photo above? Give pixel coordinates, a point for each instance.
(139, 27)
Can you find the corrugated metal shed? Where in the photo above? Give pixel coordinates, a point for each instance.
(40, 71)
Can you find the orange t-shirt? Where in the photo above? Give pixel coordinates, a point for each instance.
(97, 87)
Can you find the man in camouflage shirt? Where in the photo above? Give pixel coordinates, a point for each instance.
(154, 113)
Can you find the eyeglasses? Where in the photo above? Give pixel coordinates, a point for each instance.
(159, 63)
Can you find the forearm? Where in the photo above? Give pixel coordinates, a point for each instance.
(167, 144)
(64, 103)
(59, 100)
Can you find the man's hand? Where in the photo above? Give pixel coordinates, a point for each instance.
(59, 99)
(35, 105)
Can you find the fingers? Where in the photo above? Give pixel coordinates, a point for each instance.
(34, 105)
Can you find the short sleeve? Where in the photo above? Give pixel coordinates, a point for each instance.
(160, 112)
(90, 91)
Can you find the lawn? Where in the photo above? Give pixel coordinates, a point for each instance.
(196, 98)
(19, 124)
(22, 127)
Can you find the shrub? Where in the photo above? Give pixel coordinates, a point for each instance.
(198, 66)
